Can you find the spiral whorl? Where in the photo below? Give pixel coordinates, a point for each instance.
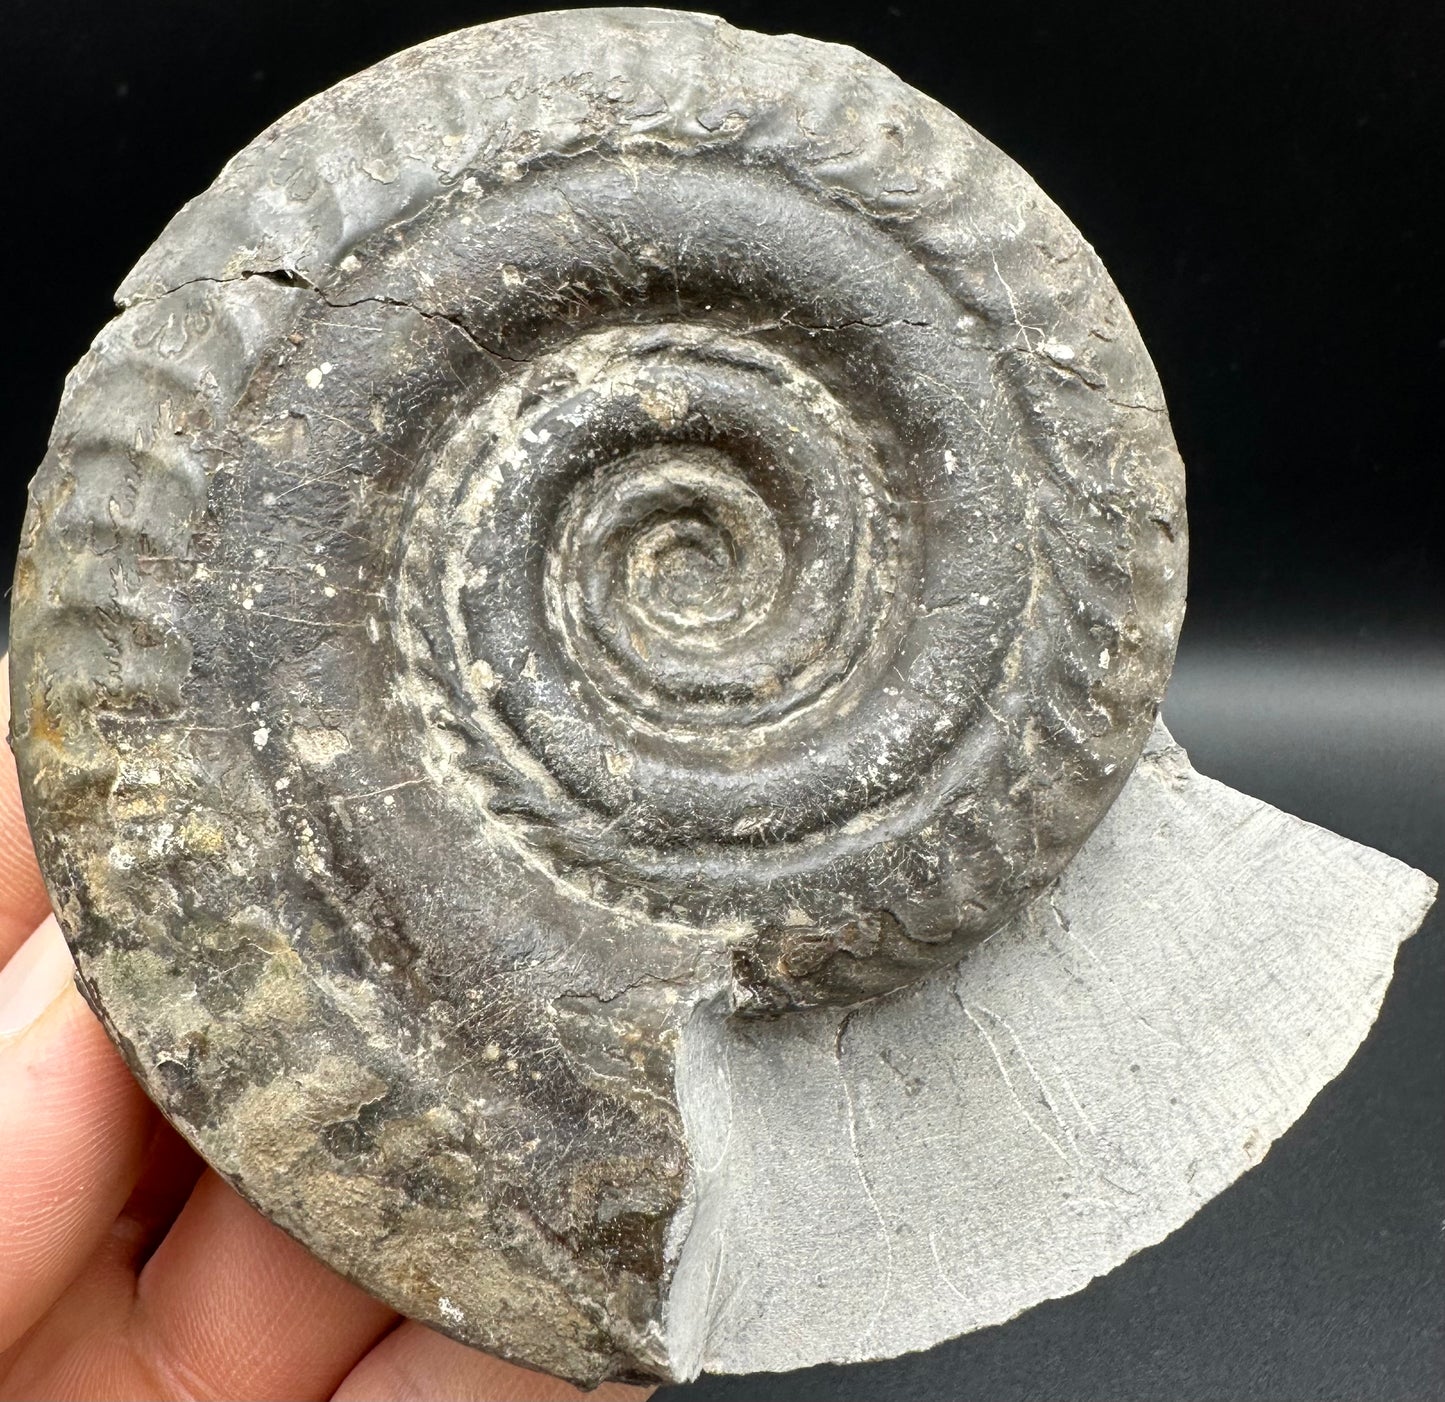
(681, 577)
(597, 514)
(772, 595)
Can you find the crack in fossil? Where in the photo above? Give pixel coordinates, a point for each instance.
(288, 277)
(297, 280)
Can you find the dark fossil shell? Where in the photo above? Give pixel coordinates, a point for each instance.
(598, 511)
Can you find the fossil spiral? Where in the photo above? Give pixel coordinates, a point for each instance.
(597, 512)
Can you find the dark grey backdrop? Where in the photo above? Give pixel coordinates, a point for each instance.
(1264, 181)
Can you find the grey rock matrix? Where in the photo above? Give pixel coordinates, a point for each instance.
(582, 652)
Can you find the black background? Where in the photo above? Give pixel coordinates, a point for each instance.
(1264, 182)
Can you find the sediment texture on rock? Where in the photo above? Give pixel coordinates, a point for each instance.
(877, 1180)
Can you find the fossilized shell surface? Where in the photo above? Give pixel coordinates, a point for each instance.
(598, 513)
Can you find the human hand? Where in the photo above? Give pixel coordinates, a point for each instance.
(130, 1270)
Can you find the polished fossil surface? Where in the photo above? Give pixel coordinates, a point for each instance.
(601, 549)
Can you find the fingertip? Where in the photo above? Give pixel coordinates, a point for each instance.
(34, 978)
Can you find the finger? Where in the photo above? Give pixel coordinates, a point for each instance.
(230, 1306)
(416, 1364)
(166, 1182)
(103, 1293)
(23, 902)
(76, 1130)
(83, 1347)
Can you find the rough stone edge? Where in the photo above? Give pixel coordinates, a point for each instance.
(703, 1093)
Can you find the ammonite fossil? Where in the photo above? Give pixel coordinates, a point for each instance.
(605, 552)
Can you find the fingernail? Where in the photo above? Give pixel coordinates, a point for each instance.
(35, 977)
